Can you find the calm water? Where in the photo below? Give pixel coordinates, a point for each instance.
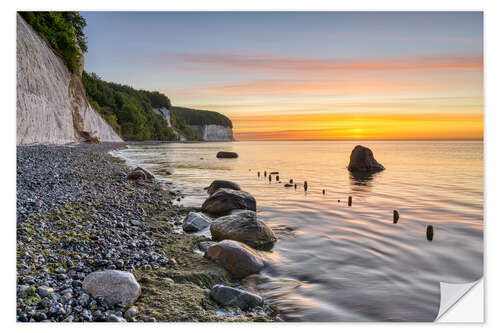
(345, 263)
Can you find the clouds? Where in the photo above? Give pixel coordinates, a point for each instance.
(281, 63)
(308, 98)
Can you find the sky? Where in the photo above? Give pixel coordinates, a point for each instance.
(304, 75)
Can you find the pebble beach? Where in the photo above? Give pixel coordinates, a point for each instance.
(77, 214)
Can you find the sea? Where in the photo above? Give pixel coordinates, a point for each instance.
(332, 261)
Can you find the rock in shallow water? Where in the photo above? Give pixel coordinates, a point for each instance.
(362, 160)
(117, 287)
(218, 184)
(243, 227)
(229, 296)
(195, 222)
(227, 154)
(237, 258)
(225, 200)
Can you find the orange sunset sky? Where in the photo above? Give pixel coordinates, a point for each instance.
(306, 76)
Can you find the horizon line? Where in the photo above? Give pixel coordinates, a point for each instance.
(365, 139)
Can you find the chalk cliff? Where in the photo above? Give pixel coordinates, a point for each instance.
(166, 114)
(52, 107)
(213, 132)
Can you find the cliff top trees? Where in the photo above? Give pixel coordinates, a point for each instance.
(201, 117)
(130, 111)
(63, 31)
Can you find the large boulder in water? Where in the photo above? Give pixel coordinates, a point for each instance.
(218, 184)
(225, 200)
(228, 296)
(195, 222)
(117, 287)
(227, 154)
(237, 258)
(362, 160)
(244, 227)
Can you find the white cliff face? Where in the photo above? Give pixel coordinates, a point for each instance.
(52, 107)
(166, 114)
(213, 132)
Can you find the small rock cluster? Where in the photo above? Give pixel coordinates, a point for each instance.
(235, 236)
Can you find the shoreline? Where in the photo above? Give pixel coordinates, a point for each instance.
(77, 213)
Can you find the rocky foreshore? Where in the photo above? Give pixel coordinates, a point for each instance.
(78, 214)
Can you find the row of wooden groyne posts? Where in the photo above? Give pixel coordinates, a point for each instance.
(291, 183)
(361, 160)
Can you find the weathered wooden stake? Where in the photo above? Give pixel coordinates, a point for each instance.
(291, 181)
(395, 216)
(323, 191)
(349, 201)
(265, 173)
(269, 179)
(305, 186)
(278, 178)
(430, 233)
(295, 186)
(258, 174)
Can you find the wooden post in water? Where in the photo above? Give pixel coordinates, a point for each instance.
(430, 233)
(323, 191)
(395, 216)
(265, 173)
(295, 185)
(258, 174)
(277, 178)
(291, 181)
(349, 201)
(269, 179)
(305, 186)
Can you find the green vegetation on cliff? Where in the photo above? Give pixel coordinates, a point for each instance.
(130, 111)
(201, 117)
(63, 31)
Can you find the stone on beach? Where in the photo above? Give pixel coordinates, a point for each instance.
(227, 154)
(244, 227)
(148, 174)
(45, 291)
(225, 200)
(136, 174)
(237, 258)
(218, 184)
(362, 160)
(203, 246)
(117, 287)
(195, 222)
(229, 296)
